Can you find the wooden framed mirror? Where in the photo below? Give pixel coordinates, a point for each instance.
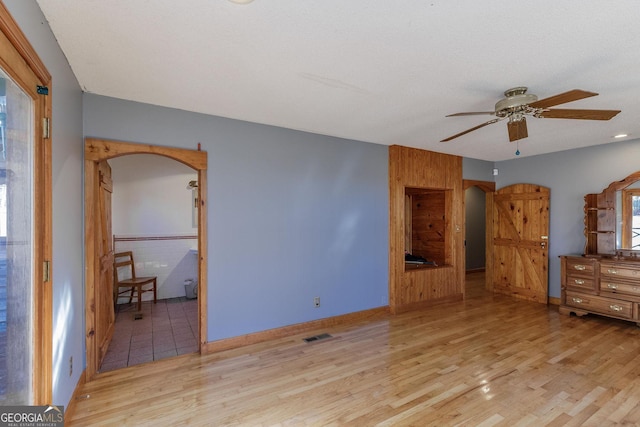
(612, 219)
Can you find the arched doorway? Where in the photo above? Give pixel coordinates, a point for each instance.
(98, 249)
(489, 188)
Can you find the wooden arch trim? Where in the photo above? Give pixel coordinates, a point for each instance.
(486, 186)
(97, 150)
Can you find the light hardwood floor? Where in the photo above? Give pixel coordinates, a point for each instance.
(489, 360)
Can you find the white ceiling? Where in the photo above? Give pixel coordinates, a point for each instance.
(381, 71)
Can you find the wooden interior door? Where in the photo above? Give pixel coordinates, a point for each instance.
(105, 313)
(521, 242)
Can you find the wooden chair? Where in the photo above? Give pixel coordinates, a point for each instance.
(124, 266)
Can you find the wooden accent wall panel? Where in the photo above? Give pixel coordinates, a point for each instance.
(430, 226)
(414, 288)
(408, 226)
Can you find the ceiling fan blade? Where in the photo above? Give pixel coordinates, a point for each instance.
(559, 113)
(470, 130)
(563, 98)
(517, 129)
(472, 113)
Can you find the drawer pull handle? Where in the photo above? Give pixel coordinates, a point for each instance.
(579, 281)
(612, 286)
(615, 307)
(612, 271)
(580, 267)
(577, 300)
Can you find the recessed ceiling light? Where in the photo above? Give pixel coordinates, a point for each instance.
(620, 135)
(241, 1)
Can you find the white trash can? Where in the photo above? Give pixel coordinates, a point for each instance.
(191, 289)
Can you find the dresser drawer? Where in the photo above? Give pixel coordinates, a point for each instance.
(627, 272)
(611, 285)
(580, 265)
(610, 306)
(581, 282)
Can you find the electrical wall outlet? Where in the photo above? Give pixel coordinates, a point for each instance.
(316, 301)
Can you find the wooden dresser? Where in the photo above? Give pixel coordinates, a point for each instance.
(605, 286)
(606, 279)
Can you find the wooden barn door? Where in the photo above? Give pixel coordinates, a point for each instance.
(520, 242)
(105, 313)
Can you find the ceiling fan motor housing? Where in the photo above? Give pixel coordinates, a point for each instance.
(516, 101)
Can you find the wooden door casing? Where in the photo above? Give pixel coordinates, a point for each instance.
(105, 314)
(520, 242)
(22, 64)
(97, 151)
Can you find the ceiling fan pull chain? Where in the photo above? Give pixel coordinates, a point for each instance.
(517, 148)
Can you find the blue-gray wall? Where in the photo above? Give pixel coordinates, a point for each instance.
(67, 178)
(570, 175)
(292, 215)
(477, 170)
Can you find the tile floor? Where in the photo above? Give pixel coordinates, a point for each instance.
(168, 328)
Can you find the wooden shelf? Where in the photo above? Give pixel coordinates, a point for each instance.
(600, 223)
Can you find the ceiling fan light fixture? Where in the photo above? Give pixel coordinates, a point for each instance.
(515, 100)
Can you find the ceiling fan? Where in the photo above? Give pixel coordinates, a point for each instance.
(518, 104)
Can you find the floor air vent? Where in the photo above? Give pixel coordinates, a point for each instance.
(316, 338)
